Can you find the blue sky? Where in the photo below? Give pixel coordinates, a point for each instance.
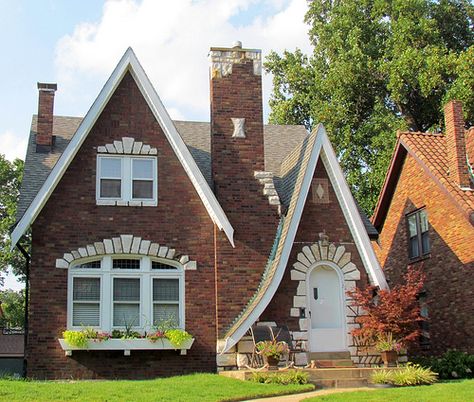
(78, 43)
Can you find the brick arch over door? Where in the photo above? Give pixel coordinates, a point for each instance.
(125, 244)
(336, 257)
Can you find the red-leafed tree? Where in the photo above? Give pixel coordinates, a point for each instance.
(394, 311)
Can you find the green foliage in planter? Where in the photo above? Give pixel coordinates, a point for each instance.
(76, 338)
(452, 364)
(411, 374)
(177, 337)
(289, 377)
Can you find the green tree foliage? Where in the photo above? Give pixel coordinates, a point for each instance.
(10, 179)
(377, 66)
(13, 307)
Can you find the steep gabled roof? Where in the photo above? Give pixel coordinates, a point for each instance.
(429, 150)
(128, 63)
(297, 171)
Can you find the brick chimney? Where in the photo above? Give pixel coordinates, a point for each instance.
(456, 144)
(236, 114)
(44, 131)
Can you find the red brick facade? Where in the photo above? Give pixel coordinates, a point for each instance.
(71, 219)
(450, 284)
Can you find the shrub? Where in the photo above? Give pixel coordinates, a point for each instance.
(289, 377)
(411, 374)
(395, 311)
(452, 364)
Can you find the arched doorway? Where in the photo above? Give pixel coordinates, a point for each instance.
(326, 309)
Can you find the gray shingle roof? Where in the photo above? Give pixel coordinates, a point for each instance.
(279, 141)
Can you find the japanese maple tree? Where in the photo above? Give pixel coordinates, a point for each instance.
(394, 311)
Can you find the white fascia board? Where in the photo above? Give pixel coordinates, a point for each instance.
(351, 213)
(287, 246)
(208, 198)
(128, 62)
(68, 155)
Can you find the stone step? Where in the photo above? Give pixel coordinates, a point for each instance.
(341, 383)
(334, 363)
(329, 355)
(340, 373)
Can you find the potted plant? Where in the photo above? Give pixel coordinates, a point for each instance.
(388, 347)
(389, 319)
(272, 352)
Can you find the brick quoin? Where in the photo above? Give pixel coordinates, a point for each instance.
(71, 219)
(450, 283)
(234, 161)
(316, 218)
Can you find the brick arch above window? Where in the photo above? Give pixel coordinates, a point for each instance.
(127, 145)
(123, 245)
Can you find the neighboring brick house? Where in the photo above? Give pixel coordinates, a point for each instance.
(425, 217)
(136, 217)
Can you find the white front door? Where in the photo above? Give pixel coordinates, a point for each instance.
(326, 303)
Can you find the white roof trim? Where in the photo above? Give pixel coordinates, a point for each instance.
(352, 215)
(128, 62)
(322, 147)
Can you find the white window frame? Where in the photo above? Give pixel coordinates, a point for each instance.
(106, 274)
(126, 190)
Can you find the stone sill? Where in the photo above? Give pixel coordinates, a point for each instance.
(127, 345)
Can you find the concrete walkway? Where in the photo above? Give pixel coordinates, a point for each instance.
(305, 395)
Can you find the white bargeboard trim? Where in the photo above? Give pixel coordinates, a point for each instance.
(128, 63)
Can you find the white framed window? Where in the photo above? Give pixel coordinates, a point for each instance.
(116, 292)
(127, 180)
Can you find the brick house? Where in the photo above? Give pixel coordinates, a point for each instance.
(425, 217)
(136, 217)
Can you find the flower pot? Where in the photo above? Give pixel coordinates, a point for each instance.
(390, 358)
(272, 362)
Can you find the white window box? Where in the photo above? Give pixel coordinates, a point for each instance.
(127, 345)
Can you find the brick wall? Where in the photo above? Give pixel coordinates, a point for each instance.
(450, 283)
(71, 219)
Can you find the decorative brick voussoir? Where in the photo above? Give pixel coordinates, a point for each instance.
(127, 145)
(306, 259)
(125, 244)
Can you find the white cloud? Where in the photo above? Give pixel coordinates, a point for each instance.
(172, 40)
(12, 145)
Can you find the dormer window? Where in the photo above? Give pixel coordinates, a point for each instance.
(127, 180)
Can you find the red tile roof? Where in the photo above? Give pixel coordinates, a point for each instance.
(429, 149)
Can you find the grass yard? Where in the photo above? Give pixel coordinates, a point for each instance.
(195, 387)
(452, 391)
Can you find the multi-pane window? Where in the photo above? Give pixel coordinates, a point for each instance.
(122, 292)
(86, 301)
(165, 300)
(418, 234)
(127, 178)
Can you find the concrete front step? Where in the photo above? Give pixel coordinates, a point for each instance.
(329, 356)
(341, 383)
(333, 363)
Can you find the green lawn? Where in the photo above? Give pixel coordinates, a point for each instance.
(453, 391)
(195, 387)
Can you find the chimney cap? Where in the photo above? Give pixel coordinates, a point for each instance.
(237, 44)
(43, 86)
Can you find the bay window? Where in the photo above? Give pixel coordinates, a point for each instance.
(116, 292)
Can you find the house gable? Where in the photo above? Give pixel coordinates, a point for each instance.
(128, 65)
(299, 171)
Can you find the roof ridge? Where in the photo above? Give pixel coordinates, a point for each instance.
(423, 133)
